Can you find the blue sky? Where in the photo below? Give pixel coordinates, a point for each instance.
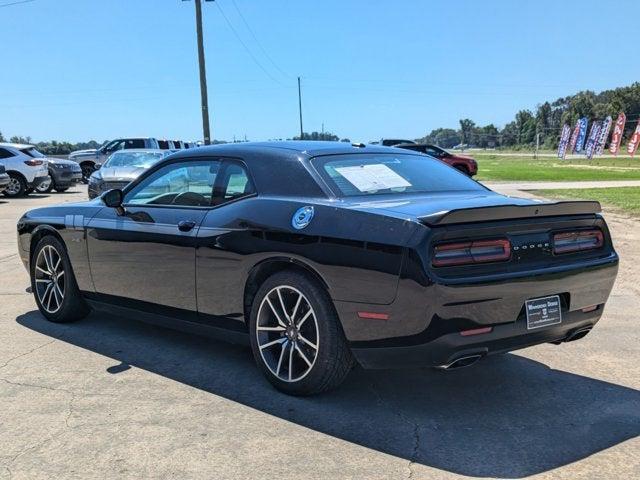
(95, 69)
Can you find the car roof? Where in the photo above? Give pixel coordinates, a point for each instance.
(307, 148)
(140, 150)
(19, 146)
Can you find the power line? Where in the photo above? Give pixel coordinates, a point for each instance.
(15, 3)
(257, 41)
(255, 60)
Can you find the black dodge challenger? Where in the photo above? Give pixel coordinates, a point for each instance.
(324, 254)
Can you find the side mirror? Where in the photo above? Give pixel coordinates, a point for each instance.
(97, 166)
(113, 199)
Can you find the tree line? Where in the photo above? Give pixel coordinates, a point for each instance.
(546, 121)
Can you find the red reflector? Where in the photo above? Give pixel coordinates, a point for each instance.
(476, 331)
(590, 309)
(576, 241)
(477, 251)
(373, 315)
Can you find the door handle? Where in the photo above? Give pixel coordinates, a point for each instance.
(186, 225)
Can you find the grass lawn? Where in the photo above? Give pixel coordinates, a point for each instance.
(518, 168)
(625, 198)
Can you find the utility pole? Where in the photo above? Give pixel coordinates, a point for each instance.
(203, 76)
(537, 145)
(300, 109)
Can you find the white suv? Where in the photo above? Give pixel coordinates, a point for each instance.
(26, 171)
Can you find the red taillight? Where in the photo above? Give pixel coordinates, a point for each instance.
(477, 251)
(577, 241)
(33, 163)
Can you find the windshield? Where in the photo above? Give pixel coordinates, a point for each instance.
(376, 174)
(32, 152)
(133, 159)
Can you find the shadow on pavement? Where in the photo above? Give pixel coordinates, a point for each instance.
(506, 417)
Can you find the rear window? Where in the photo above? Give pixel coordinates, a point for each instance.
(135, 143)
(379, 174)
(32, 152)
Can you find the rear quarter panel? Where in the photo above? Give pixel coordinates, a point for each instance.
(357, 255)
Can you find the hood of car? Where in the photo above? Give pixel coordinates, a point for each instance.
(88, 150)
(119, 174)
(60, 161)
(457, 156)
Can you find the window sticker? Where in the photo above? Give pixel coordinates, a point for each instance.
(373, 177)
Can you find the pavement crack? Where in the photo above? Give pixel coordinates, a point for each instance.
(27, 353)
(414, 425)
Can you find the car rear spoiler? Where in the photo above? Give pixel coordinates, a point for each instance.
(508, 212)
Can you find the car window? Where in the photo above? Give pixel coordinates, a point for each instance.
(182, 184)
(135, 143)
(235, 184)
(32, 152)
(114, 146)
(4, 153)
(432, 151)
(375, 174)
(163, 144)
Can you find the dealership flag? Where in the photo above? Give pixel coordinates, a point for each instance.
(594, 133)
(616, 137)
(604, 135)
(564, 141)
(574, 137)
(632, 146)
(582, 135)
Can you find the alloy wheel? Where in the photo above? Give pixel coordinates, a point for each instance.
(14, 186)
(44, 187)
(287, 333)
(50, 279)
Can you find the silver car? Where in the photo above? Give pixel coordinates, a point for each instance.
(122, 167)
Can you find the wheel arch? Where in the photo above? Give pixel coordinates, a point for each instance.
(39, 233)
(266, 268)
(19, 174)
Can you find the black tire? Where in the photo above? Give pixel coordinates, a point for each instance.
(332, 358)
(29, 191)
(462, 169)
(87, 170)
(72, 306)
(17, 187)
(61, 189)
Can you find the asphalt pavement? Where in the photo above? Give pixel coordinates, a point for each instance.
(110, 397)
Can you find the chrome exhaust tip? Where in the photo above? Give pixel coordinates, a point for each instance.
(578, 334)
(461, 362)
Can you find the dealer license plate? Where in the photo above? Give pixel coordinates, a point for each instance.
(543, 312)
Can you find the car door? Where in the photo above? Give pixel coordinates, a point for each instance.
(148, 254)
(225, 242)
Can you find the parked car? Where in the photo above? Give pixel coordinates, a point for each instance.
(122, 167)
(63, 175)
(4, 178)
(320, 254)
(25, 171)
(390, 142)
(87, 159)
(178, 144)
(464, 163)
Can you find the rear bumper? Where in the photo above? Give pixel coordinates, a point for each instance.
(65, 178)
(424, 322)
(4, 181)
(450, 347)
(38, 180)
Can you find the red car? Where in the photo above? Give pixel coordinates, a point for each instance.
(465, 164)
